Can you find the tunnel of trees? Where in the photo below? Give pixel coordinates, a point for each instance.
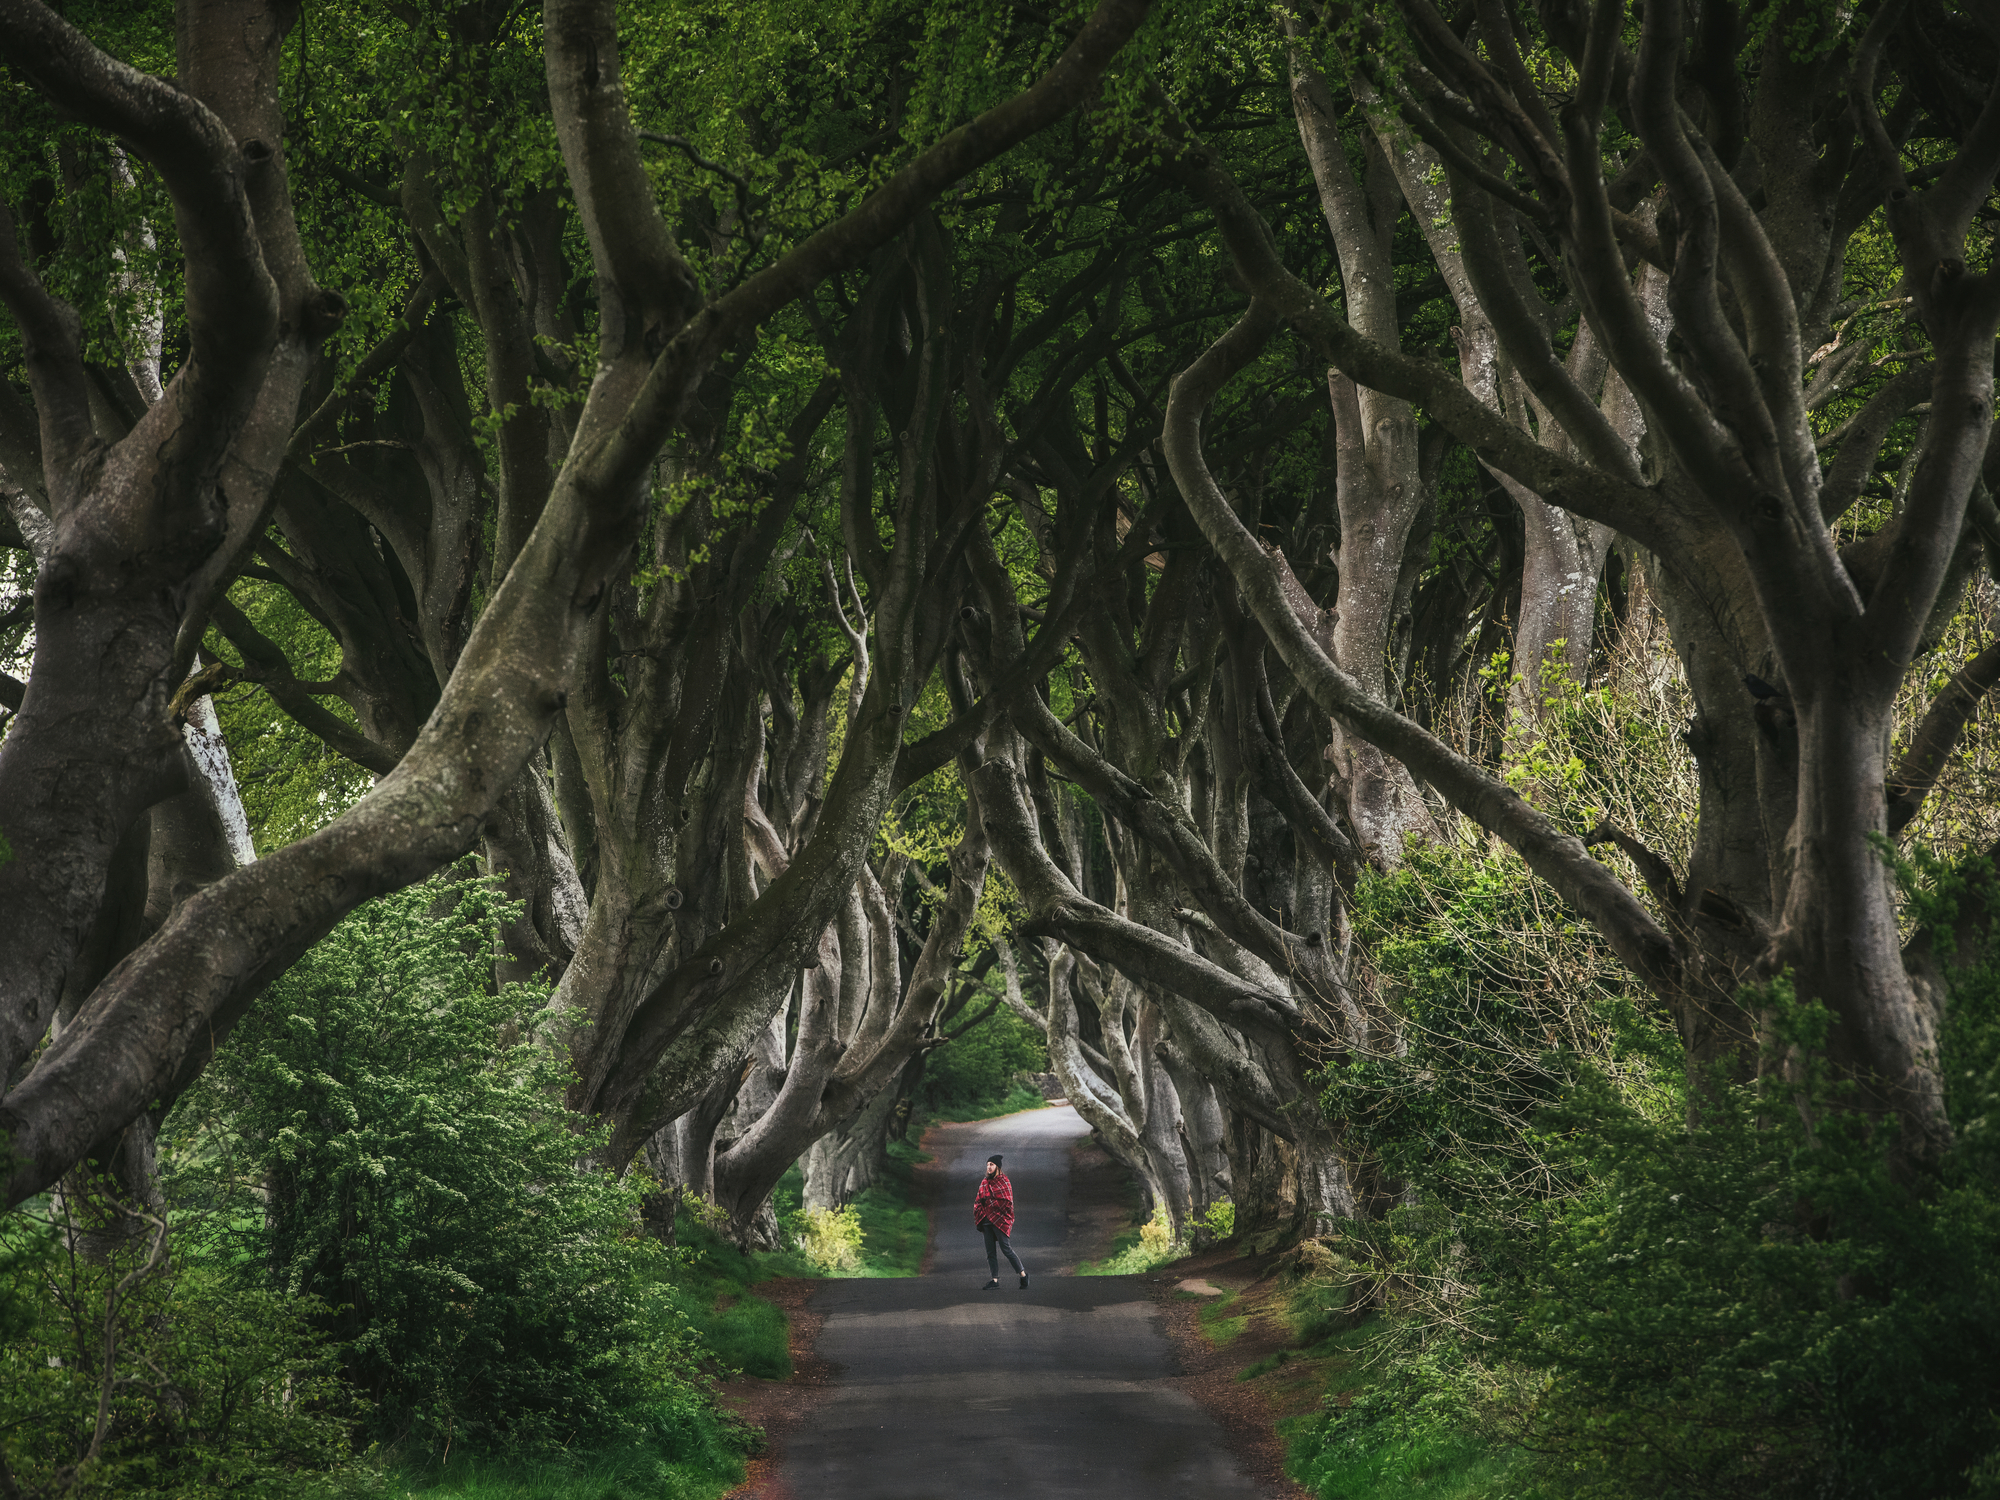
(1224, 533)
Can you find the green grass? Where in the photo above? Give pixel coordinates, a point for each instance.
(712, 1287)
(1217, 1324)
(693, 1455)
(1129, 1255)
(895, 1226)
(686, 1452)
(1018, 1098)
(1425, 1466)
(1265, 1365)
(1352, 1449)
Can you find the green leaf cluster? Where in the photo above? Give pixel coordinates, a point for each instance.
(383, 1137)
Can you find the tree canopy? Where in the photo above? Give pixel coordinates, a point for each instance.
(862, 516)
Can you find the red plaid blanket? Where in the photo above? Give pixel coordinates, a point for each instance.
(995, 1203)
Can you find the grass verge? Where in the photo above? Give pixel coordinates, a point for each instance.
(1018, 1098)
(1430, 1466)
(1338, 1407)
(1347, 1447)
(694, 1456)
(690, 1451)
(894, 1222)
(1133, 1250)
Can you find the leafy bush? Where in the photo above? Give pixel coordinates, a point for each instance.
(133, 1375)
(1747, 1306)
(1500, 999)
(1220, 1219)
(382, 1136)
(829, 1237)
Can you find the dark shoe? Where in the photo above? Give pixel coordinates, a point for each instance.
(989, 1286)
(1024, 1281)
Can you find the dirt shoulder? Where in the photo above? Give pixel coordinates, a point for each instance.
(1101, 1204)
(1225, 1314)
(779, 1406)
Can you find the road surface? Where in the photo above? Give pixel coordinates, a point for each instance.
(1060, 1391)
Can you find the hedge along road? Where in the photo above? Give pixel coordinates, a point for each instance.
(1061, 1390)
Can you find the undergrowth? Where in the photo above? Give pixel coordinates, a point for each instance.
(1136, 1250)
(687, 1460)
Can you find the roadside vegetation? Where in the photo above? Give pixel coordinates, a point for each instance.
(1612, 1278)
(374, 1263)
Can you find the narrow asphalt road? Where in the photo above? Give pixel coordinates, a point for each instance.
(1058, 1391)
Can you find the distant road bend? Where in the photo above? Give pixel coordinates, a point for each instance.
(947, 1391)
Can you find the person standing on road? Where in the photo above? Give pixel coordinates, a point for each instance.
(993, 1216)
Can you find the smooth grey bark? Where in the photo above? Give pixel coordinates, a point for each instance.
(851, 1157)
(1380, 483)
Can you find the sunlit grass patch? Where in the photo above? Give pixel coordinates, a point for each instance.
(1136, 1250)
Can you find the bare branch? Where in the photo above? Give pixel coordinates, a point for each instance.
(1557, 857)
(1656, 872)
(1937, 736)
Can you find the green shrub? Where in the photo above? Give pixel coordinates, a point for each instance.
(828, 1237)
(382, 1136)
(134, 1375)
(1136, 1250)
(1220, 1219)
(1749, 1307)
(1739, 1307)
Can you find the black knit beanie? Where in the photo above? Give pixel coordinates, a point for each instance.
(996, 1161)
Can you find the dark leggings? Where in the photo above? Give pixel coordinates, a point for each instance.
(994, 1238)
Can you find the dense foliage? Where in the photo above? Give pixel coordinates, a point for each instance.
(126, 1374)
(382, 1242)
(380, 1141)
(980, 1067)
(1649, 1284)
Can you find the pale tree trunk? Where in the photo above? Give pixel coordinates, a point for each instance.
(1101, 1104)
(526, 851)
(851, 1157)
(1564, 554)
(1203, 1131)
(1379, 479)
(141, 321)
